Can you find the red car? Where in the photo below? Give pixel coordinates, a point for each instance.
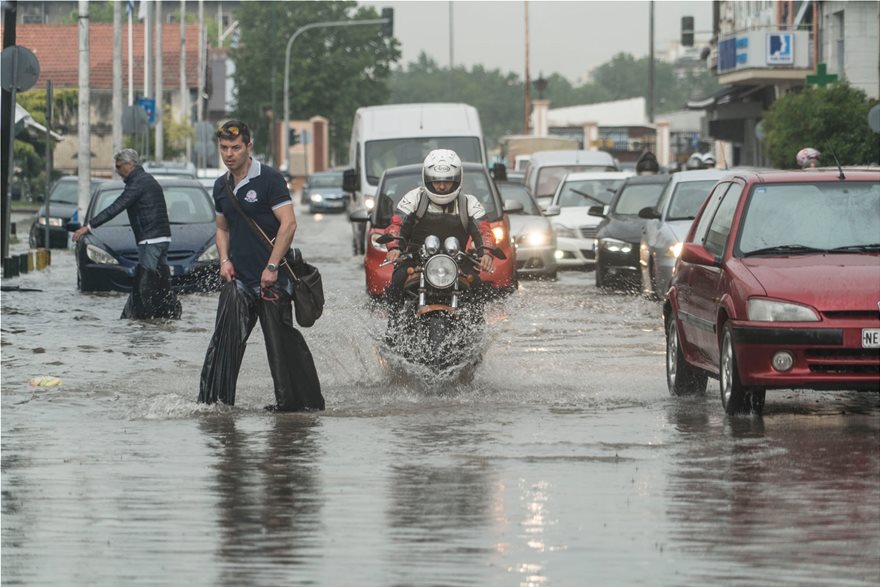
(778, 287)
(396, 182)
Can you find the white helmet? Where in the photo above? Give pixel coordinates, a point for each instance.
(442, 165)
(808, 157)
(708, 160)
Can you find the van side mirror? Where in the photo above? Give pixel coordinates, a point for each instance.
(597, 211)
(513, 206)
(649, 213)
(553, 211)
(350, 181)
(72, 226)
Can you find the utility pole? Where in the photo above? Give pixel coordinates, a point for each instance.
(7, 131)
(116, 139)
(200, 107)
(651, 65)
(527, 98)
(160, 85)
(184, 92)
(148, 61)
(84, 164)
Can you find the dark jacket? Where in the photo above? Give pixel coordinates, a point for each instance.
(144, 201)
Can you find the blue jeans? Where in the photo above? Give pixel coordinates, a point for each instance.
(152, 256)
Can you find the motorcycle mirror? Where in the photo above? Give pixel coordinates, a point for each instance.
(385, 239)
(498, 253)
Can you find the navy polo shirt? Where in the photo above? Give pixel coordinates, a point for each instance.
(259, 194)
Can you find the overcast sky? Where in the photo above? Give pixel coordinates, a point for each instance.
(569, 38)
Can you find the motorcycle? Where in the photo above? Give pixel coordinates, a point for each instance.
(442, 318)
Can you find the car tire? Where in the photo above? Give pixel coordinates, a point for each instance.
(735, 397)
(681, 379)
(652, 282)
(600, 277)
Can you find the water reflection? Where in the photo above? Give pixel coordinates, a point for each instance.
(268, 498)
(792, 495)
(439, 505)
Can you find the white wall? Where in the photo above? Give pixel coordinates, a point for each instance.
(861, 43)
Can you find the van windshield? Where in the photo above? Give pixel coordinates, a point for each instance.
(549, 177)
(381, 155)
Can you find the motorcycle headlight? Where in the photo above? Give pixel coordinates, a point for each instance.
(432, 244)
(764, 310)
(564, 231)
(451, 245)
(99, 255)
(53, 221)
(210, 254)
(498, 233)
(441, 271)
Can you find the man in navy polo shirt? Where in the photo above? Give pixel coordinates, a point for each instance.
(255, 287)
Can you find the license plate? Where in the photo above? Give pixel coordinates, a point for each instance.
(870, 338)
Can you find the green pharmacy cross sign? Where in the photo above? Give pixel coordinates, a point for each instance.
(822, 77)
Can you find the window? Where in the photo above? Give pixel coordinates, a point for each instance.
(719, 229)
(714, 200)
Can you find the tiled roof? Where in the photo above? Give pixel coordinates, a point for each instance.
(57, 49)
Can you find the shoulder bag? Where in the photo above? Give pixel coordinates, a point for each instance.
(308, 287)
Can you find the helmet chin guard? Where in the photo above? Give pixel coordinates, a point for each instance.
(442, 165)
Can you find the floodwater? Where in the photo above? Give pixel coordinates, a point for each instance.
(564, 462)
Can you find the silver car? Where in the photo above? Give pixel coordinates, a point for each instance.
(668, 223)
(530, 230)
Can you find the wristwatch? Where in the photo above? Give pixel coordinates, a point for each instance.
(272, 267)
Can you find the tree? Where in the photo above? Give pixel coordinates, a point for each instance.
(333, 70)
(833, 119)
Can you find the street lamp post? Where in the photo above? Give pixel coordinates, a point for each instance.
(285, 138)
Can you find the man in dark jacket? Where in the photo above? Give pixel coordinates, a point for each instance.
(144, 201)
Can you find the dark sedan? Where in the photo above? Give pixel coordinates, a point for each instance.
(63, 202)
(323, 192)
(106, 258)
(620, 231)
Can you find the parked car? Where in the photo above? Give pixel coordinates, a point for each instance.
(777, 287)
(620, 230)
(575, 228)
(170, 169)
(530, 229)
(668, 223)
(208, 176)
(397, 181)
(63, 203)
(106, 258)
(323, 192)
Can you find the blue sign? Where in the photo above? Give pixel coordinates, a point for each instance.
(149, 104)
(780, 49)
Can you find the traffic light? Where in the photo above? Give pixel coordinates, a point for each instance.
(388, 27)
(687, 31)
(292, 137)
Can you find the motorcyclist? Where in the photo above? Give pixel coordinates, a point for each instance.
(647, 164)
(434, 208)
(695, 161)
(808, 158)
(708, 161)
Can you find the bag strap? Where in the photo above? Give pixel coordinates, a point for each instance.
(424, 202)
(261, 236)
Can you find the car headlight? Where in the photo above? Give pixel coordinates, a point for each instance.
(613, 245)
(53, 221)
(316, 198)
(369, 203)
(210, 254)
(535, 239)
(564, 231)
(99, 255)
(764, 310)
(441, 271)
(675, 250)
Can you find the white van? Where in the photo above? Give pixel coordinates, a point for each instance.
(401, 134)
(547, 168)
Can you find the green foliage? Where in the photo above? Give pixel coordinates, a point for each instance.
(832, 118)
(98, 12)
(175, 134)
(333, 71)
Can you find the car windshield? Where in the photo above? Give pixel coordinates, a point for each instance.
(519, 193)
(550, 176)
(836, 217)
(587, 192)
(186, 205)
(382, 155)
(687, 199)
(326, 180)
(394, 187)
(65, 192)
(634, 197)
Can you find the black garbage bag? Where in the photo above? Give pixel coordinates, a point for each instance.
(295, 377)
(234, 322)
(151, 296)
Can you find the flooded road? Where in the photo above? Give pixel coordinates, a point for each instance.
(565, 462)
